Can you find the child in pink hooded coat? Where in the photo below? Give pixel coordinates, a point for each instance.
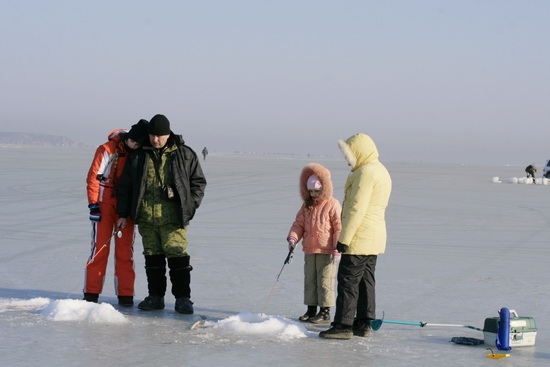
(317, 225)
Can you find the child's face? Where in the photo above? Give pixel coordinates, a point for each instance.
(132, 144)
(315, 193)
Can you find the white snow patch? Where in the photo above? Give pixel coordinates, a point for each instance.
(246, 323)
(65, 310)
(524, 180)
(80, 310)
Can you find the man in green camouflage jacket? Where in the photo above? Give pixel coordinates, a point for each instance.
(161, 188)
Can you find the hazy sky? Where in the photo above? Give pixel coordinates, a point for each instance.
(450, 81)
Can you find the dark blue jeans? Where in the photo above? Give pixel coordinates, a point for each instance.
(356, 289)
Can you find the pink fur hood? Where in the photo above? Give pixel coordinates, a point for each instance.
(319, 226)
(324, 176)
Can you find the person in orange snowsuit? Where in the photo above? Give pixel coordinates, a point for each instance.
(103, 176)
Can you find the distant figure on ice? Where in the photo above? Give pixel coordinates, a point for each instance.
(318, 225)
(204, 153)
(102, 181)
(530, 170)
(362, 239)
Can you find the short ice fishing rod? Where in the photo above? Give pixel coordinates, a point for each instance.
(288, 260)
(117, 233)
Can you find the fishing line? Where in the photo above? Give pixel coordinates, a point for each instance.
(116, 232)
(288, 260)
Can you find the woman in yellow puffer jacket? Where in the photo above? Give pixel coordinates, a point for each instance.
(362, 239)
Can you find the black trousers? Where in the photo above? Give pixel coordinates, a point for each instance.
(356, 289)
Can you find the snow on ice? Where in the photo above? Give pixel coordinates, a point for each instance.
(459, 249)
(244, 323)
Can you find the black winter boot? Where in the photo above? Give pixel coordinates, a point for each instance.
(361, 327)
(151, 303)
(155, 268)
(91, 297)
(323, 317)
(337, 331)
(180, 276)
(184, 305)
(311, 311)
(126, 301)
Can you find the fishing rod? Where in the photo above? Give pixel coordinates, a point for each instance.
(288, 260)
(377, 324)
(116, 232)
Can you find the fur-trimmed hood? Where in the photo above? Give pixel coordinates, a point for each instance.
(366, 196)
(358, 150)
(324, 176)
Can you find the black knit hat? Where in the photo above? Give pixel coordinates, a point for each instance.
(138, 132)
(159, 125)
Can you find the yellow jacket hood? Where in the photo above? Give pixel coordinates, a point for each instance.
(366, 196)
(358, 150)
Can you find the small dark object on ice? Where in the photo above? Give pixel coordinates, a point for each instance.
(467, 341)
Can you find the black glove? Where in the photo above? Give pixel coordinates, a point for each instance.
(95, 214)
(342, 248)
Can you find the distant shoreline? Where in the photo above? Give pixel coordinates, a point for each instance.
(32, 146)
(33, 139)
(266, 155)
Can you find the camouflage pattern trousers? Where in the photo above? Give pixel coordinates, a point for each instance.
(167, 239)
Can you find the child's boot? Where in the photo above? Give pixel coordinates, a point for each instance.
(311, 311)
(323, 317)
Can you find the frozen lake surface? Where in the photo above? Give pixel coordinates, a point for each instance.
(460, 247)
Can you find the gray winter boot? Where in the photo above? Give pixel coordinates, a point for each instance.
(323, 317)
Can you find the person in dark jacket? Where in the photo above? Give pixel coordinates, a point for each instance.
(161, 187)
(530, 171)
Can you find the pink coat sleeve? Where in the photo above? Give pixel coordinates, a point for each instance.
(297, 228)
